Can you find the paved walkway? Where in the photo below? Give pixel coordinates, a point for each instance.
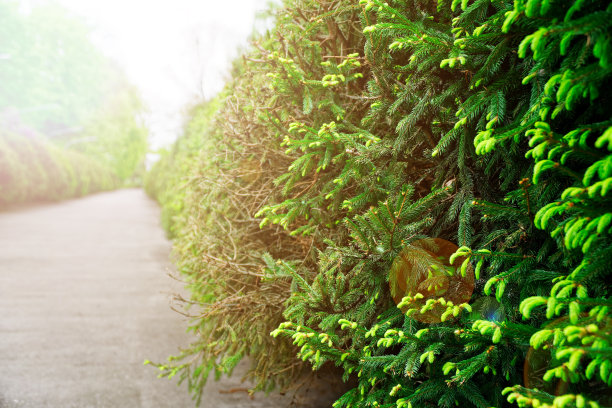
(84, 300)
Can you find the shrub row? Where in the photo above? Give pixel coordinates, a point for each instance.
(33, 169)
(354, 144)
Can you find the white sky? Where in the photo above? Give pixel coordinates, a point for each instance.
(174, 51)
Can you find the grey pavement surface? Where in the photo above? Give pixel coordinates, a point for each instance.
(84, 300)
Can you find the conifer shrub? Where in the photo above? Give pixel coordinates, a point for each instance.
(355, 140)
(227, 256)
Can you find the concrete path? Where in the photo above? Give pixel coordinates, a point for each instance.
(84, 300)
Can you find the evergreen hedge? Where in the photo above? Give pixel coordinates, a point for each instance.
(354, 141)
(33, 169)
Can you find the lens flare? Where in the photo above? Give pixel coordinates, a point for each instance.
(424, 267)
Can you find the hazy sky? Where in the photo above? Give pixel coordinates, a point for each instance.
(174, 51)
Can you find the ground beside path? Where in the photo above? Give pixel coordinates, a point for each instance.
(84, 300)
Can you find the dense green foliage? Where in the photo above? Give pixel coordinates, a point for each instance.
(356, 131)
(168, 178)
(34, 169)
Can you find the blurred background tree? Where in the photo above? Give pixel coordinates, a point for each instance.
(54, 81)
(117, 135)
(49, 71)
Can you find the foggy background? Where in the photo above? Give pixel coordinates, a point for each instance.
(175, 52)
(89, 91)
